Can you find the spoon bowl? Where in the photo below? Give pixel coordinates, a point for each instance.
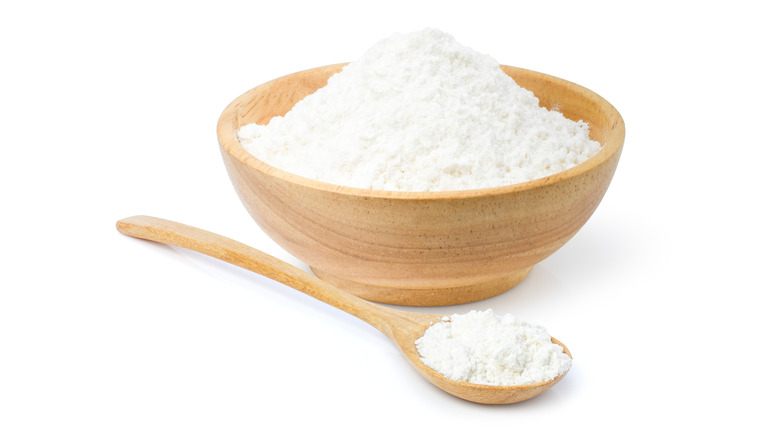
(403, 328)
(485, 394)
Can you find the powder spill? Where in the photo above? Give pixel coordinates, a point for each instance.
(421, 112)
(481, 347)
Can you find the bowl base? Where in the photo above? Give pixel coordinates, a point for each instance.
(428, 296)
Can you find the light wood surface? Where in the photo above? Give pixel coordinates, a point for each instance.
(401, 327)
(420, 248)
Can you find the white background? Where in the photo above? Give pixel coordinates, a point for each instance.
(665, 297)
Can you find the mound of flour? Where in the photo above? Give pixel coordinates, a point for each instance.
(481, 347)
(421, 112)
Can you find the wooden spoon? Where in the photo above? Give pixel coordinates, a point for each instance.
(404, 328)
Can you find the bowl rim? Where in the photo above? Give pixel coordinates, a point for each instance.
(228, 140)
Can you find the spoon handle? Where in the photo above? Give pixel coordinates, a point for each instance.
(236, 253)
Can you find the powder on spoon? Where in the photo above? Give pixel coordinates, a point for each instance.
(481, 347)
(421, 112)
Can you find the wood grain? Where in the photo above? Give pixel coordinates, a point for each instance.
(420, 248)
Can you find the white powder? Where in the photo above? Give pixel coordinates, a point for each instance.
(481, 347)
(421, 112)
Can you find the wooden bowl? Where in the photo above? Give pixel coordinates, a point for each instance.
(420, 248)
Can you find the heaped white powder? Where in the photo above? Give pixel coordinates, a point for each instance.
(481, 347)
(421, 112)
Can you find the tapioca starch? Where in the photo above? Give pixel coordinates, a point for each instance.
(485, 348)
(421, 112)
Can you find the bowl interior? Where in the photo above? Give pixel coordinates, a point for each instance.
(277, 97)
